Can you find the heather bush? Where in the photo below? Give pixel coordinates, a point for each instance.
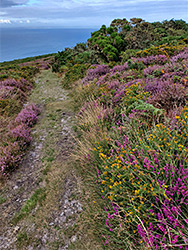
(138, 154)
(119, 68)
(21, 84)
(28, 115)
(155, 70)
(181, 56)
(177, 72)
(158, 59)
(95, 71)
(167, 95)
(10, 157)
(42, 63)
(21, 133)
(145, 189)
(13, 93)
(16, 133)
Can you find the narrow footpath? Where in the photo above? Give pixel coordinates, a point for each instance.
(40, 202)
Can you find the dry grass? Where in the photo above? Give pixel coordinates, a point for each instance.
(4, 122)
(91, 132)
(82, 93)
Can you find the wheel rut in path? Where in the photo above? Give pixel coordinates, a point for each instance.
(40, 200)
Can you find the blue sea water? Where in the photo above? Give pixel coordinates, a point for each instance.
(17, 43)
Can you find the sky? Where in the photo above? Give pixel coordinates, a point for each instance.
(85, 13)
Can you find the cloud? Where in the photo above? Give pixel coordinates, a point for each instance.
(87, 13)
(10, 3)
(15, 21)
(5, 21)
(7, 3)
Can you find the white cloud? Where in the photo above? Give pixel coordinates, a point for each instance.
(85, 13)
(3, 13)
(14, 21)
(21, 21)
(109, 2)
(5, 21)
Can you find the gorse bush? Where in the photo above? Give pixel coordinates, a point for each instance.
(164, 49)
(74, 73)
(146, 189)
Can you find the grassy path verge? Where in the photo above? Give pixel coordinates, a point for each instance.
(41, 202)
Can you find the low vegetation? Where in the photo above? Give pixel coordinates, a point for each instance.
(17, 118)
(129, 84)
(132, 128)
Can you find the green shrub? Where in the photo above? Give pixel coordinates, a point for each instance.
(74, 73)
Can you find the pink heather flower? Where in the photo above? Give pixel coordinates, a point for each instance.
(22, 132)
(28, 115)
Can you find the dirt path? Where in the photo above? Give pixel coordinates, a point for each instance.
(41, 201)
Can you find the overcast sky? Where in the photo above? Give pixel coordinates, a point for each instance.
(86, 13)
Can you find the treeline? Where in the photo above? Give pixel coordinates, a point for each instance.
(121, 40)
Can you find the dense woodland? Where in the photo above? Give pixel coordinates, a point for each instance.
(129, 85)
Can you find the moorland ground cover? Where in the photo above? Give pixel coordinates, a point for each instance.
(132, 124)
(17, 118)
(129, 86)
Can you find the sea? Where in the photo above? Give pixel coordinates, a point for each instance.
(17, 43)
